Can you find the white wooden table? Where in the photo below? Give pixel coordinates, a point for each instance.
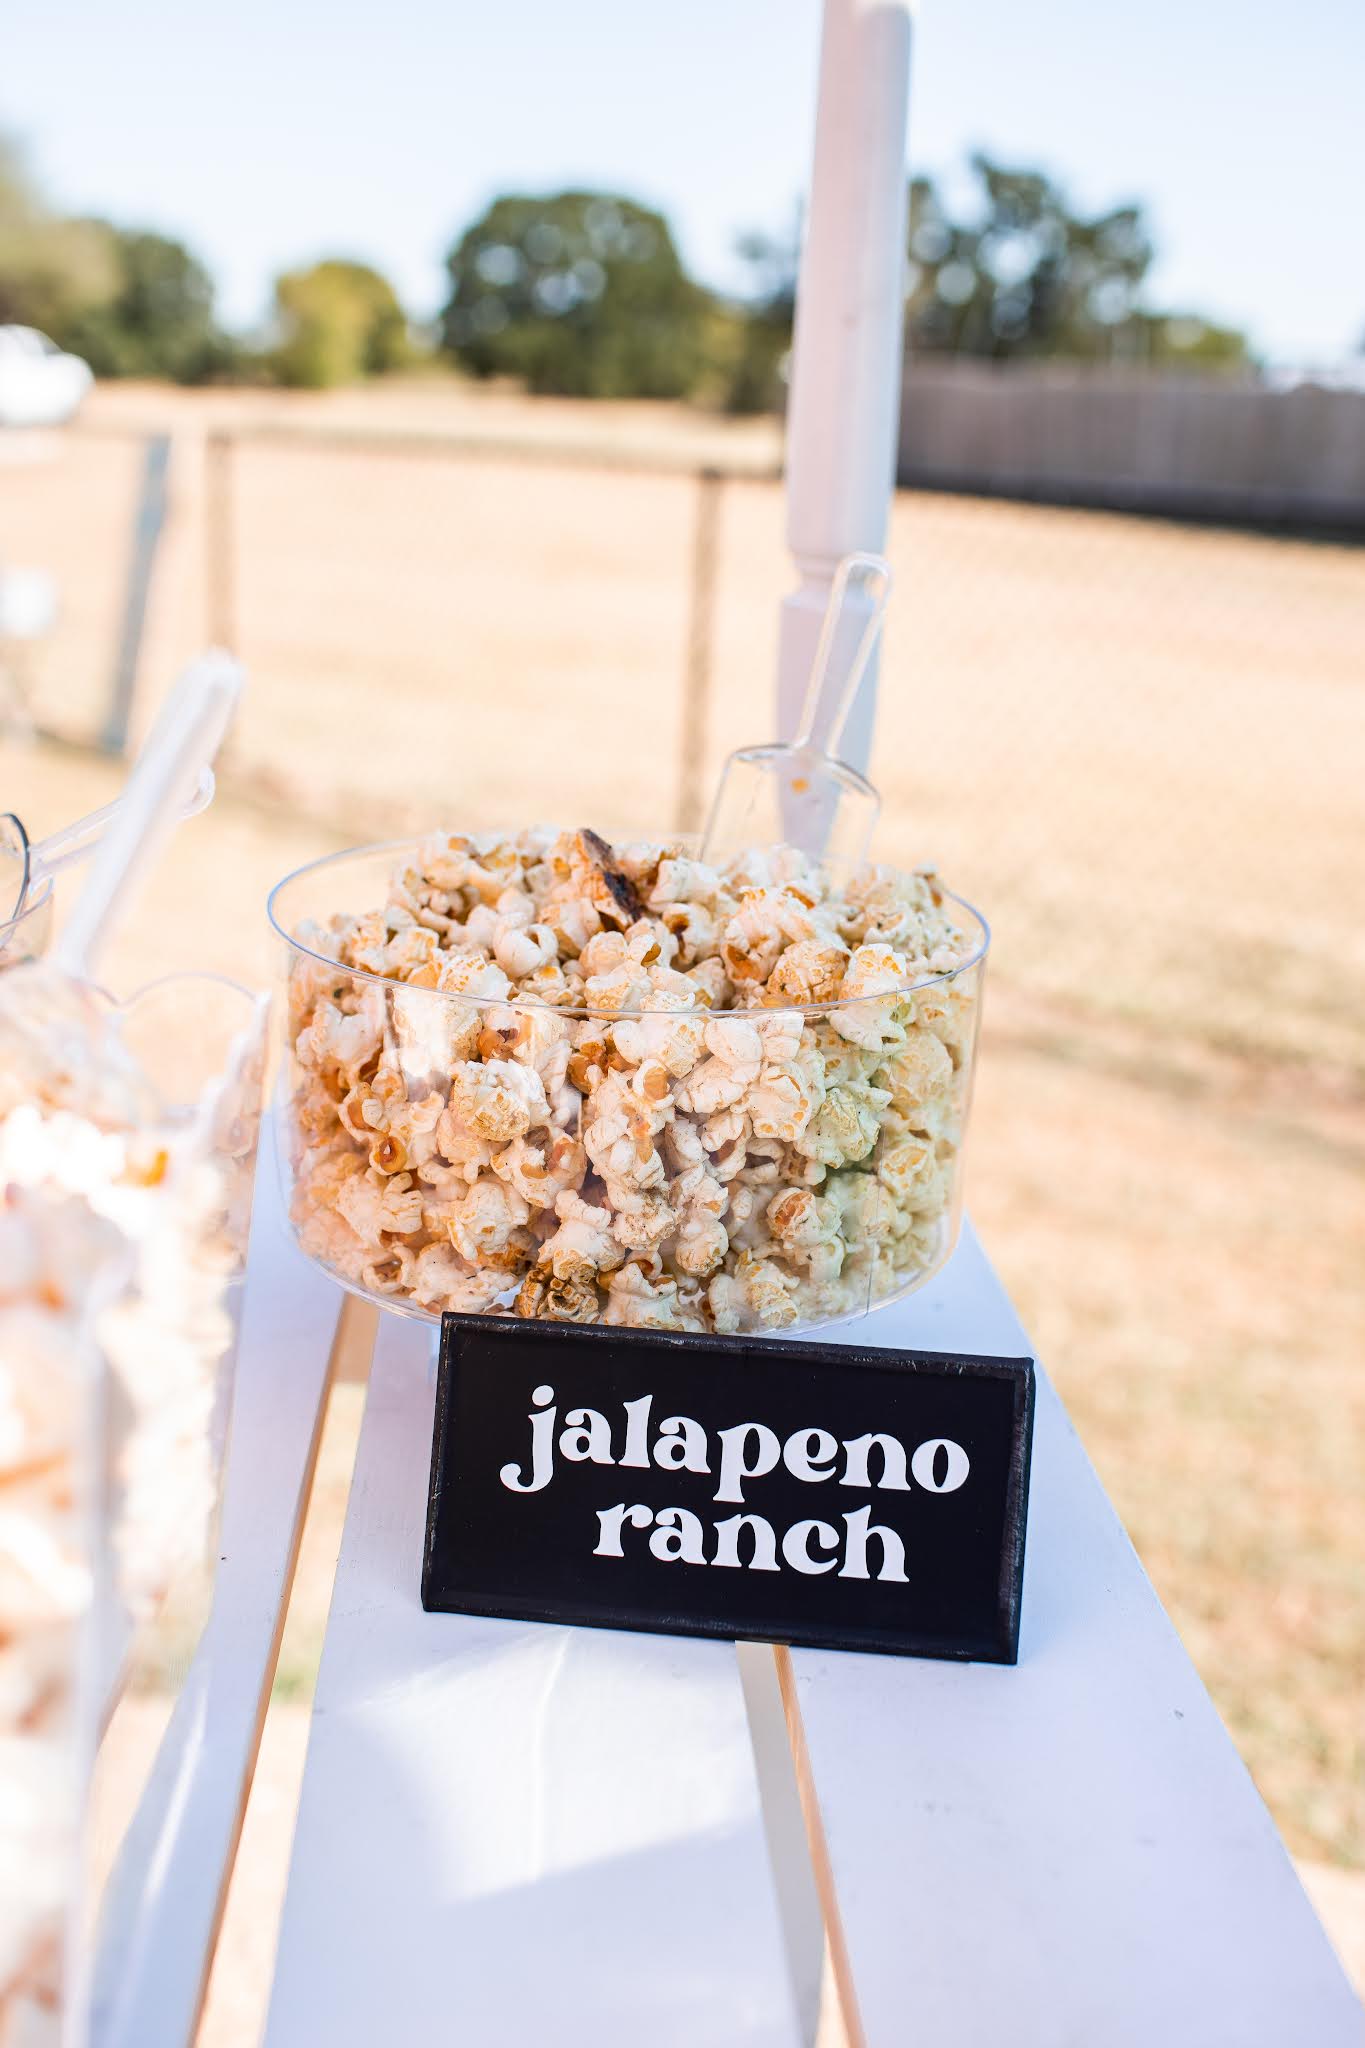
(518, 1834)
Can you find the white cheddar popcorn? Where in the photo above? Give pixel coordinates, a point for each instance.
(122, 1223)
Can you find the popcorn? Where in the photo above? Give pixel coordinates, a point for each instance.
(643, 1218)
(622, 1085)
(337, 1041)
(712, 983)
(583, 1246)
(623, 987)
(919, 1073)
(692, 927)
(558, 1301)
(497, 1099)
(437, 1274)
(846, 1126)
(736, 1060)
(799, 1219)
(520, 949)
(122, 1225)
(473, 974)
(782, 1036)
(672, 1041)
(909, 1171)
(483, 1223)
(643, 1303)
(331, 1240)
(679, 880)
(873, 971)
(374, 1203)
(786, 1096)
(601, 880)
(397, 1132)
(768, 1292)
(702, 1239)
(808, 972)
(391, 1272)
(540, 1169)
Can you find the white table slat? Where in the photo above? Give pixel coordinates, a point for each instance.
(177, 1858)
(513, 1833)
(1070, 1853)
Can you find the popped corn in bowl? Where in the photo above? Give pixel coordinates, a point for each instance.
(535, 1074)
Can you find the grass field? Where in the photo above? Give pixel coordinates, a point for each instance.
(1140, 747)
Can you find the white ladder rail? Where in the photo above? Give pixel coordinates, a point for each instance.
(168, 1890)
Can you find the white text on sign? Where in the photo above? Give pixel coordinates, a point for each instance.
(744, 1452)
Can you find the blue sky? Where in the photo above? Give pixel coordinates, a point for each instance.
(267, 132)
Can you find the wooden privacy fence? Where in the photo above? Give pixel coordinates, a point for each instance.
(1190, 447)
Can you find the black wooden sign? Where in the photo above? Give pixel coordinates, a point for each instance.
(796, 1492)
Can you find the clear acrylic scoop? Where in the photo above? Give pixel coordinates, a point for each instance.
(181, 745)
(800, 791)
(24, 862)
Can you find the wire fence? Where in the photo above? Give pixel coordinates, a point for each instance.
(496, 585)
(1139, 746)
(82, 511)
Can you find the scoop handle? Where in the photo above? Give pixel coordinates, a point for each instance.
(182, 743)
(877, 572)
(71, 843)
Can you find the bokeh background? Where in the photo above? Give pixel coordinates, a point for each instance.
(443, 381)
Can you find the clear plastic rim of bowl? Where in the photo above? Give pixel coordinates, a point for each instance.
(17, 943)
(395, 847)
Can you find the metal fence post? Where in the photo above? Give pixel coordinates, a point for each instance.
(220, 558)
(696, 691)
(150, 518)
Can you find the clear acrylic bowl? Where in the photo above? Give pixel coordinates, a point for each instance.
(128, 1135)
(25, 936)
(439, 1144)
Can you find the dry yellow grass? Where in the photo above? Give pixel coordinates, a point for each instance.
(1141, 748)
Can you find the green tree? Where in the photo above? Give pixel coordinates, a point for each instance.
(132, 303)
(1186, 341)
(582, 293)
(756, 364)
(157, 321)
(1024, 275)
(51, 269)
(338, 322)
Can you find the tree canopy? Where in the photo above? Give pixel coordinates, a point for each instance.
(156, 321)
(756, 366)
(50, 268)
(585, 294)
(338, 321)
(133, 303)
(581, 293)
(1022, 274)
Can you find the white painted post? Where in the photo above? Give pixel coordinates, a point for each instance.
(846, 356)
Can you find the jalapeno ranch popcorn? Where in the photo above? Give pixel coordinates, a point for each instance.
(552, 1078)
